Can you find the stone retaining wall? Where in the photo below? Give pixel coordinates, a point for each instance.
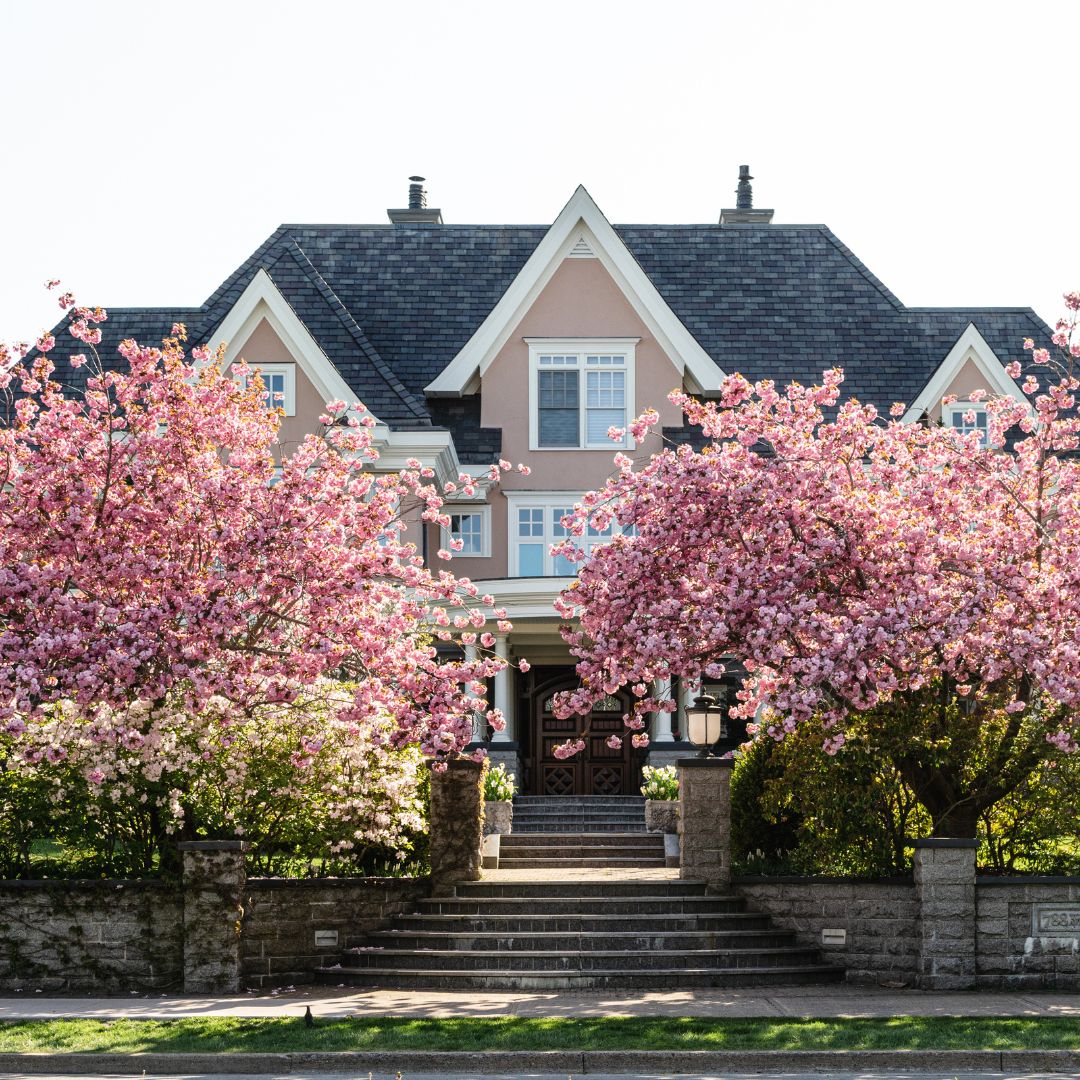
(108, 937)
(289, 926)
(115, 937)
(880, 920)
(1026, 934)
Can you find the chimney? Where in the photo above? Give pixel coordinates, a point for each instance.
(744, 212)
(417, 212)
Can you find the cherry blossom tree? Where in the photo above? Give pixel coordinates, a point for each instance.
(155, 552)
(855, 564)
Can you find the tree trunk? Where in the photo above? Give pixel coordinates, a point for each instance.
(956, 821)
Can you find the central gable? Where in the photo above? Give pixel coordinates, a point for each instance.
(582, 234)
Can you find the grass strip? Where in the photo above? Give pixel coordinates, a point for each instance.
(237, 1035)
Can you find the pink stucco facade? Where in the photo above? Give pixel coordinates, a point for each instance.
(579, 301)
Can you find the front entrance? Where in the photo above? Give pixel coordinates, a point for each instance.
(599, 769)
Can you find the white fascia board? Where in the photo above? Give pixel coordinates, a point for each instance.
(526, 598)
(263, 300)
(580, 218)
(433, 449)
(971, 345)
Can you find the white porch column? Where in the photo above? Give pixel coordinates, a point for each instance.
(688, 690)
(661, 725)
(504, 700)
(479, 721)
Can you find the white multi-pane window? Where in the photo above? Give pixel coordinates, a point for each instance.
(472, 527)
(536, 525)
(959, 416)
(279, 381)
(578, 394)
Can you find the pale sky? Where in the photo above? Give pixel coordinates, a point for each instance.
(151, 147)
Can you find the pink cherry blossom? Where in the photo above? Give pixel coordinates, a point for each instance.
(156, 546)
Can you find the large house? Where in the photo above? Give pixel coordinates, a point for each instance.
(471, 343)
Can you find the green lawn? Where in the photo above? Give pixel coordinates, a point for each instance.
(521, 1033)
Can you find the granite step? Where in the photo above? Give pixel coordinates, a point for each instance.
(555, 960)
(604, 840)
(596, 889)
(731, 922)
(656, 906)
(454, 939)
(679, 977)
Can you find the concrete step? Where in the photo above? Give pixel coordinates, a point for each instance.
(675, 978)
(405, 959)
(572, 850)
(576, 827)
(653, 862)
(587, 891)
(731, 922)
(652, 940)
(658, 906)
(634, 839)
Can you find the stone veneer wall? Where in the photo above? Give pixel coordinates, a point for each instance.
(1010, 953)
(882, 920)
(281, 917)
(880, 917)
(112, 937)
(91, 936)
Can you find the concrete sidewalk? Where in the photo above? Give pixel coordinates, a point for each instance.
(795, 1001)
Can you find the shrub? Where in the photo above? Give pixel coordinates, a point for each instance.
(661, 784)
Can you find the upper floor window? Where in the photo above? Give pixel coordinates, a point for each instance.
(472, 527)
(536, 525)
(966, 417)
(279, 381)
(579, 391)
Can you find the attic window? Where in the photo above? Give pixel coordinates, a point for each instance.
(966, 417)
(280, 383)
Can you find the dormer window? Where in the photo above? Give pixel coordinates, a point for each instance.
(966, 417)
(578, 391)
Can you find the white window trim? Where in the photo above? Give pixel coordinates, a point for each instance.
(547, 499)
(485, 530)
(288, 403)
(949, 413)
(580, 347)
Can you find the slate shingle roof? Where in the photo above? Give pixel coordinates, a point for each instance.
(392, 305)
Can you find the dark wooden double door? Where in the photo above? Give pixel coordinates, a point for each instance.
(599, 769)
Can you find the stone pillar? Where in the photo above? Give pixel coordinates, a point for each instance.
(214, 880)
(945, 893)
(661, 732)
(457, 814)
(705, 821)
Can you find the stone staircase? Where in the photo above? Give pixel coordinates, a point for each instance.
(579, 814)
(533, 931)
(588, 831)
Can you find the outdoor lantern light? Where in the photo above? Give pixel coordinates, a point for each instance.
(706, 723)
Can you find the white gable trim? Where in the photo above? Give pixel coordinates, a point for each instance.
(263, 300)
(971, 345)
(580, 221)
